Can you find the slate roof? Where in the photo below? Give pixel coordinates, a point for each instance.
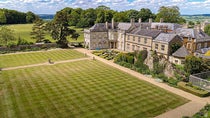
(165, 37)
(170, 26)
(101, 27)
(199, 35)
(145, 32)
(181, 52)
(203, 50)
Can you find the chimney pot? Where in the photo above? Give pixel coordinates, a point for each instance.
(139, 20)
(107, 27)
(150, 20)
(112, 23)
(161, 20)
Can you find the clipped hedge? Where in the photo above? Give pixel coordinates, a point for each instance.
(192, 89)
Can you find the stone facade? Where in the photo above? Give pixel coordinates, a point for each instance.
(144, 36)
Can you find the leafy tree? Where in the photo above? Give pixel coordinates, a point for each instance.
(193, 64)
(6, 35)
(38, 32)
(120, 17)
(100, 17)
(59, 29)
(132, 14)
(175, 47)
(30, 17)
(3, 19)
(145, 14)
(169, 14)
(207, 29)
(75, 35)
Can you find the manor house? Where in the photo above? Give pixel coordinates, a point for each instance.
(139, 35)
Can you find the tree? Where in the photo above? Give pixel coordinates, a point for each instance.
(132, 14)
(6, 35)
(30, 17)
(59, 29)
(3, 19)
(175, 47)
(193, 64)
(145, 14)
(75, 35)
(169, 14)
(207, 29)
(38, 32)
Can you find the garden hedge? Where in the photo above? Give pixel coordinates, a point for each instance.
(193, 90)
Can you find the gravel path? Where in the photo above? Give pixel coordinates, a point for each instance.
(188, 109)
(47, 63)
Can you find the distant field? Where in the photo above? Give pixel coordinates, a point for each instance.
(197, 18)
(82, 89)
(37, 57)
(23, 30)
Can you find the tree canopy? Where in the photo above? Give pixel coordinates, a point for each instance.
(6, 35)
(15, 17)
(207, 29)
(169, 14)
(59, 28)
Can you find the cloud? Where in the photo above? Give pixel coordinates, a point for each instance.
(51, 6)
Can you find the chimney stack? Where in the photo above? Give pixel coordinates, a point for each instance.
(139, 20)
(150, 20)
(161, 20)
(107, 27)
(112, 23)
(132, 21)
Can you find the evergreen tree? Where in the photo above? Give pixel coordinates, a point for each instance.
(38, 32)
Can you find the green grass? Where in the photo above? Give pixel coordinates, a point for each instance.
(82, 89)
(37, 57)
(23, 30)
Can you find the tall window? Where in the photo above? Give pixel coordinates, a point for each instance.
(128, 46)
(162, 47)
(133, 38)
(145, 40)
(199, 46)
(139, 39)
(206, 45)
(156, 46)
(137, 47)
(128, 37)
(133, 47)
(189, 46)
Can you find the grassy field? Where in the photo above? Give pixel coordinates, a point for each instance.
(23, 30)
(37, 57)
(82, 89)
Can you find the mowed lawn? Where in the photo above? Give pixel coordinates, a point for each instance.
(82, 89)
(12, 60)
(24, 30)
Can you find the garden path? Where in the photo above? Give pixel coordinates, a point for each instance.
(46, 63)
(188, 109)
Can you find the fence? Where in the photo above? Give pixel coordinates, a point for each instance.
(201, 80)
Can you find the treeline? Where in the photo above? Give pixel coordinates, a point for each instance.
(85, 18)
(15, 17)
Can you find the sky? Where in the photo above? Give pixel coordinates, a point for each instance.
(187, 7)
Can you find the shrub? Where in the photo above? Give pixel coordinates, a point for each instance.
(11, 44)
(23, 42)
(192, 89)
